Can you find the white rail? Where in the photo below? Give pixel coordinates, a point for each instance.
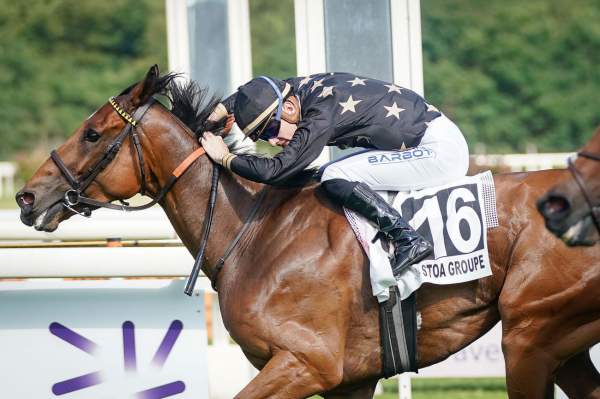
(7, 178)
(95, 262)
(151, 224)
(523, 162)
(65, 262)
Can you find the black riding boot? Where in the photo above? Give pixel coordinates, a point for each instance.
(409, 246)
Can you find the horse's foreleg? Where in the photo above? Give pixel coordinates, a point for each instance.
(529, 369)
(579, 378)
(287, 376)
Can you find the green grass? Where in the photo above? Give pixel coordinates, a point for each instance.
(448, 388)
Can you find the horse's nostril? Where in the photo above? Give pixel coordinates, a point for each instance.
(25, 199)
(556, 205)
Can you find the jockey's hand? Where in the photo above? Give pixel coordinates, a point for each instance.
(215, 146)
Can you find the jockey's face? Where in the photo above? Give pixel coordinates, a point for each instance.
(286, 132)
(289, 122)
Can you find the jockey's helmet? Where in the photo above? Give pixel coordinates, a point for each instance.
(257, 102)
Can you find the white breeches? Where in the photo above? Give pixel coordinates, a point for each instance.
(441, 157)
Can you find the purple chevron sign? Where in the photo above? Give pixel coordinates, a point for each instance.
(129, 350)
(119, 339)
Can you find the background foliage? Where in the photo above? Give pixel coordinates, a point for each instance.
(61, 59)
(509, 73)
(513, 72)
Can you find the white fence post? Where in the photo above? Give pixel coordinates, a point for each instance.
(404, 386)
(7, 178)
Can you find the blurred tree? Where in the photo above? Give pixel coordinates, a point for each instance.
(512, 73)
(272, 37)
(61, 59)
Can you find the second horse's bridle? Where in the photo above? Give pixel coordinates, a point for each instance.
(594, 209)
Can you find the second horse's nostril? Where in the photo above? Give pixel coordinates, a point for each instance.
(556, 205)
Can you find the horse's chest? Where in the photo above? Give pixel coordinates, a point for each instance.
(247, 326)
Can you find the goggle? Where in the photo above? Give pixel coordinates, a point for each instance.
(269, 130)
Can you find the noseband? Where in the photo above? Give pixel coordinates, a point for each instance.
(74, 195)
(594, 210)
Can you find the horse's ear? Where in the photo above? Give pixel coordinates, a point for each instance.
(146, 88)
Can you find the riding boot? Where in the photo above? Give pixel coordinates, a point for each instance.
(409, 246)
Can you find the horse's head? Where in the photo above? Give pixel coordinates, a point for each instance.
(571, 208)
(101, 159)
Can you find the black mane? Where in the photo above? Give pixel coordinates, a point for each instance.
(190, 102)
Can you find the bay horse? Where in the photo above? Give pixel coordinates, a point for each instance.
(571, 208)
(295, 293)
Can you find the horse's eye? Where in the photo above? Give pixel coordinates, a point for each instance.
(91, 135)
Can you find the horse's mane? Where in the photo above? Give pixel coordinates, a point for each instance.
(190, 102)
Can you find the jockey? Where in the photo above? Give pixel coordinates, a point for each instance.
(406, 144)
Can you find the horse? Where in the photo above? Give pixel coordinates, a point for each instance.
(571, 207)
(295, 293)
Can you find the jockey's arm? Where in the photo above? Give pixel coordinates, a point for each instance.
(295, 157)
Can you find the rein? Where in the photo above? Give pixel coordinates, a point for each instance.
(214, 278)
(74, 196)
(594, 210)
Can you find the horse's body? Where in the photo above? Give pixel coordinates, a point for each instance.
(296, 295)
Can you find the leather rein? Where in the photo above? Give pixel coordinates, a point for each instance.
(74, 195)
(594, 210)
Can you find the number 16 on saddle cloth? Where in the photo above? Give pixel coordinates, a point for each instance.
(454, 218)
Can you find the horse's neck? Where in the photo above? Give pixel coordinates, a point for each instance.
(186, 206)
(186, 203)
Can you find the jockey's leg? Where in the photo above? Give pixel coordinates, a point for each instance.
(441, 158)
(409, 246)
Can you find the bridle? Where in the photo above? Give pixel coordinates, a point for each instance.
(74, 195)
(594, 210)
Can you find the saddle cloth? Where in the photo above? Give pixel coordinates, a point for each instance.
(453, 217)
